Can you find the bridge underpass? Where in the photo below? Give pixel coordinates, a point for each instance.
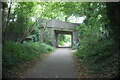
(56, 27)
(59, 64)
(58, 32)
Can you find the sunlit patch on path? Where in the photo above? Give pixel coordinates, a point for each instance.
(59, 64)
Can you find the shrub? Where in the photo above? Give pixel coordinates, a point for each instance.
(14, 53)
(95, 55)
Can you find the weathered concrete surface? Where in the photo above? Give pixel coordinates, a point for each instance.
(50, 23)
(59, 64)
(75, 38)
(60, 26)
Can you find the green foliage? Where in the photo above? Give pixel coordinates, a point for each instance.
(61, 43)
(114, 22)
(14, 53)
(20, 22)
(96, 53)
(44, 48)
(95, 48)
(64, 39)
(96, 43)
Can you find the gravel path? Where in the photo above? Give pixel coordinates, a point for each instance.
(59, 64)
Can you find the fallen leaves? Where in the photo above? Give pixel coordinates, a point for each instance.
(83, 72)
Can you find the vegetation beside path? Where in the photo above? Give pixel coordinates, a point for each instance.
(98, 32)
(17, 53)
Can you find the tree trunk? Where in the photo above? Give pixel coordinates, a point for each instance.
(7, 23)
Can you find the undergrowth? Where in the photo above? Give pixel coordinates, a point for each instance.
(100, 56)
(14, 53)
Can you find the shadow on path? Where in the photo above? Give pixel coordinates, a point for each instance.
(59, 64)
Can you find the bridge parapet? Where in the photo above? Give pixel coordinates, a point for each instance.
(58, 24)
